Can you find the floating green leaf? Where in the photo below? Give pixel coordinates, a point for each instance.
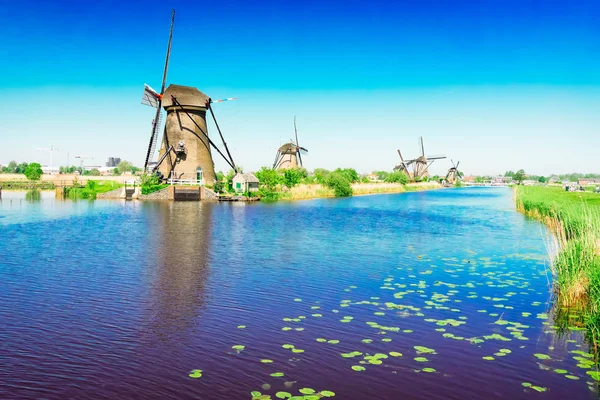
(266, 361)
(542, 356)
(421, 359)
(283, 395)
(241, 326)
(277, 374)
(306, 391)
(333, 341)
(238, 347)
(195, 373)
(488, 358)
(428, 370)
(395, 354)
(595, 375)
(321, 340)
(326, 393)
(358, 368)
(575, 378)
(423, 349)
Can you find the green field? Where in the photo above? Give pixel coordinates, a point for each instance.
(574, 218)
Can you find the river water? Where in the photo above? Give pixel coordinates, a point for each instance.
(123, 300)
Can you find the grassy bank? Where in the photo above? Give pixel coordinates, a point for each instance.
(25, 184)
(91, 189)
(574, 218)
(304, 192)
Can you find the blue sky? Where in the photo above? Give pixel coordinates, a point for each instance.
(497, 85)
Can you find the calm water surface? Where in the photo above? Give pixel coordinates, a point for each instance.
(119, 300)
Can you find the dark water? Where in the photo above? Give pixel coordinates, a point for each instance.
(115, 300)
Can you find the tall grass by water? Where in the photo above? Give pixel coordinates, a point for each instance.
(302, 192)
(574, 218)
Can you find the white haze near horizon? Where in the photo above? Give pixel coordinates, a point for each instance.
(540, 129)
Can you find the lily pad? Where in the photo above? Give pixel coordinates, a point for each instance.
(238, 347)
(266, 361)
(306, 391)
(358, 368)
(195, 373)
(327, 393)
(283, 395)
(423, 349)
(421, 359)
(428, 370)
(277, 374)
(542, 356)
(595, 375)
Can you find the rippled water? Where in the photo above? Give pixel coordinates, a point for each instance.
(115, 300)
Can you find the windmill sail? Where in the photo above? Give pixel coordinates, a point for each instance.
(154, 99)
(150, 97)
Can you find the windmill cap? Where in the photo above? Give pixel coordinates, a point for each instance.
(185, 95)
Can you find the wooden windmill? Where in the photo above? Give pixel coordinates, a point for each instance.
(289, 155)
(185, 152)
(417, 168)
(453, 173)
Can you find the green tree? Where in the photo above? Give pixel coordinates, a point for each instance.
(20, 169)
(381, 175)
(291, 177)
(542, 179)
(397, 177)
(519, 176)
(33, 172)
(219, 186)
(269, 180)
(509, 173)
(350, 174)
(124, 166)
(339, 182)
(220, 175)
(11, 168)
(320, 175)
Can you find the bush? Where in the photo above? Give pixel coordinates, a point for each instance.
(349, 173)
(338, 181)
(292, 177)
(397, 177)
(218, 187)
(33, 172)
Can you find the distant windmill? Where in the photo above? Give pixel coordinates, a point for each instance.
(453, 173)
(419, 165)
(289, 155)
(51, 149)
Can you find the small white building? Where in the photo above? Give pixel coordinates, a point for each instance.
(245, 183)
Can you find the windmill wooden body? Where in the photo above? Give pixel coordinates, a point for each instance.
(417, 168)
(289, 155)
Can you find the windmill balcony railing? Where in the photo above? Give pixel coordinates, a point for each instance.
(186, 182)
